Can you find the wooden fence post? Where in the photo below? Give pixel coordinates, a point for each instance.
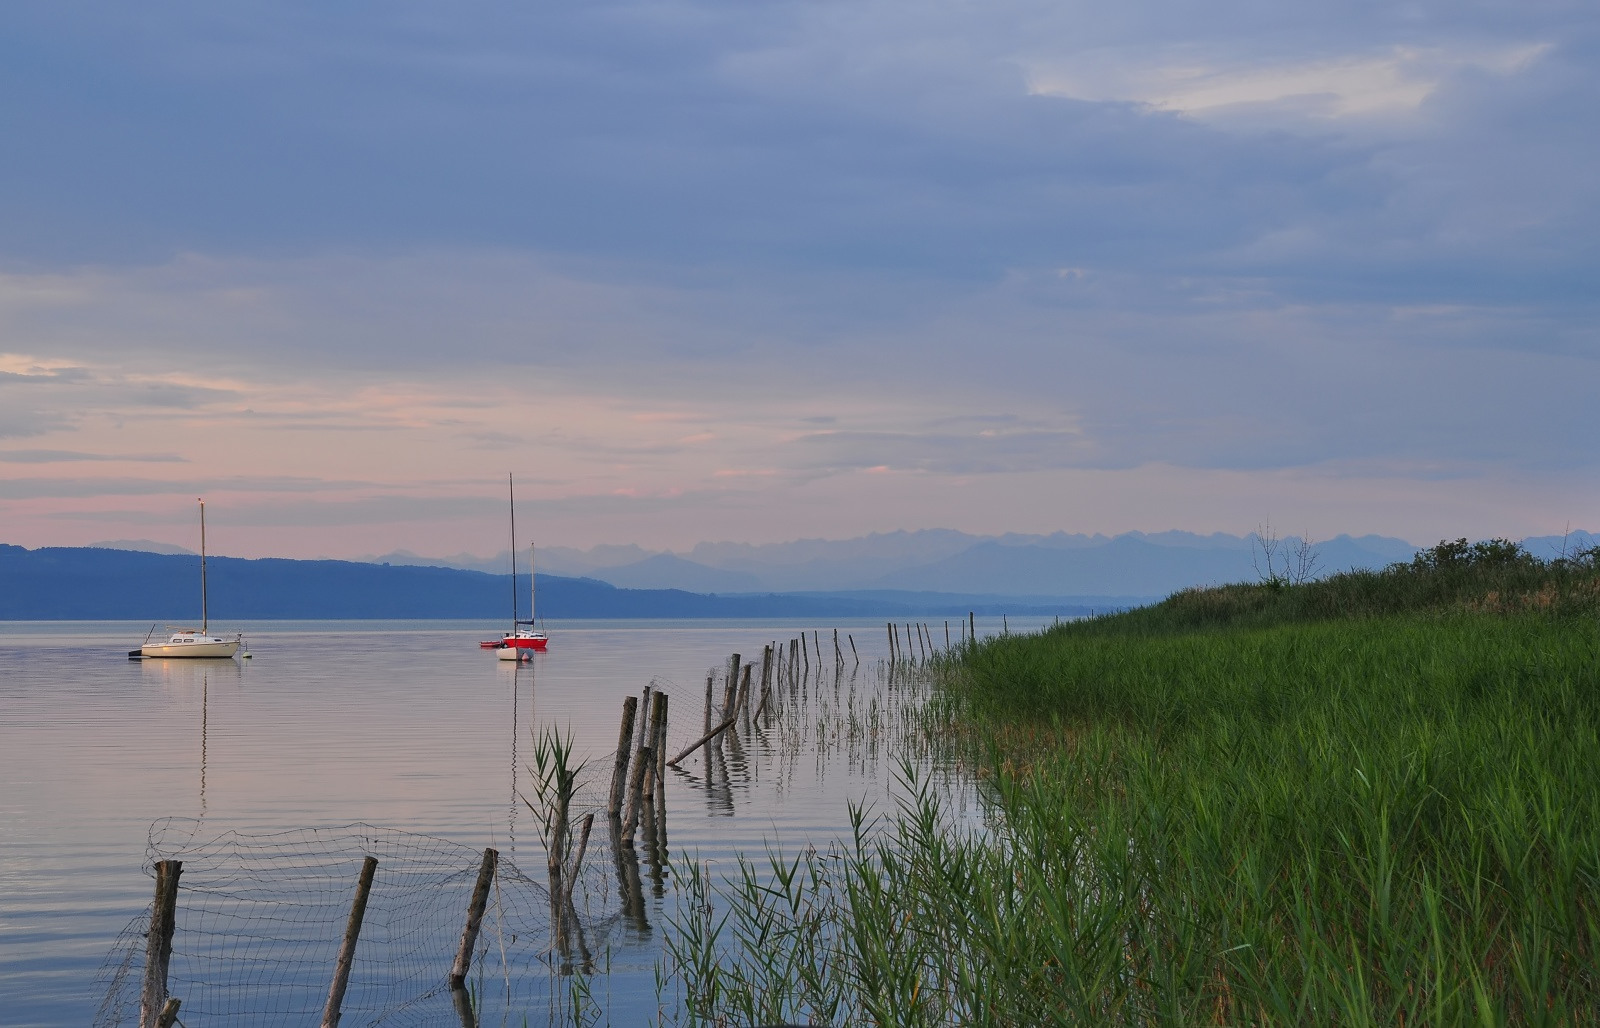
(158, 945)
(475, 908)
(347, 948)
(661, 761)
(619, 773)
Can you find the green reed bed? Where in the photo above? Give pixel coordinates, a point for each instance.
(1363, 820)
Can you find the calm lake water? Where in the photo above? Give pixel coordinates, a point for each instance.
(402, 725)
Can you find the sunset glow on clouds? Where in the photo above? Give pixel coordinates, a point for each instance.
(714, 271)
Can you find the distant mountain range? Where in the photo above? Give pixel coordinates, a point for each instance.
(1134, 565)
(931, 573)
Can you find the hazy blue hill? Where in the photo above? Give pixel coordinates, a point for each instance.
(61, 583)
(67, 583)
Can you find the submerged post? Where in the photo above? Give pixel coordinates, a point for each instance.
(619, 773)
(347, 948)
(460, 999)
(475, 908)
(158, 945)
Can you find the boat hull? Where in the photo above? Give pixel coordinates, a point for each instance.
(219, 649)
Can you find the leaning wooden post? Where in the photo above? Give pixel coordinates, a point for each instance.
(158, 944)
(804, 656)
(475, 908)
(766, 673)
(947, 633)
(838, 654)
(888, 630)
(816, 641)
(972, 628)
(708, 700)
(853, 651)
(347, 948)
(619, 773)
(709, 737)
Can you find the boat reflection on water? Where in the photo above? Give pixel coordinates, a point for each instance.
(187, 679)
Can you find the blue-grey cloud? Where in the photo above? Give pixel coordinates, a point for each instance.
(79, 488)
(896, 136)
(67, 456)
(1358, 236)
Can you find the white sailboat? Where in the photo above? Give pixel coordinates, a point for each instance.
(187, 642)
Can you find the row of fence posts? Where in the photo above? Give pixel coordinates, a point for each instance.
(637, 796)
(157, 1009)
(902, 651)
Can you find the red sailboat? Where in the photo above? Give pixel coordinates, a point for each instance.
(524, 639)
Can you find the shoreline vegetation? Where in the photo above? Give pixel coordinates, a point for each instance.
(1367, 799)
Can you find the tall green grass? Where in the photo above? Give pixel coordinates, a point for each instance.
(1274, 813)
(1377, 821)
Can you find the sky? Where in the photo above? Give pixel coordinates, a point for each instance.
(702, 270)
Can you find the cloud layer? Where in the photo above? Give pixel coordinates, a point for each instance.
(707, 269)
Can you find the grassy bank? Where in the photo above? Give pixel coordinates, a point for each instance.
(1370, 800)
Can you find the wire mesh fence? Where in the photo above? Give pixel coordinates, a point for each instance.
(259, 918)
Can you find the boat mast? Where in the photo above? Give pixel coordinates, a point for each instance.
(511, 487)
(205, 621)
(533, 583)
